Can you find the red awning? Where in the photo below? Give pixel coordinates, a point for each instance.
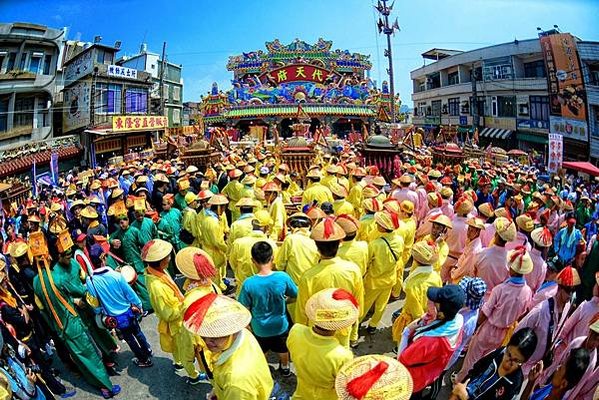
(582, 166)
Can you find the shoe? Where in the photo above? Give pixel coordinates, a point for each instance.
(371, 329)
(201, 378)
(177, 367)
(394, 350)
(142, 364)
(285, 371)
(354, 344)
(69, 392)
(107, 394)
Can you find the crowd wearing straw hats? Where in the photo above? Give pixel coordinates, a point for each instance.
(491, 273)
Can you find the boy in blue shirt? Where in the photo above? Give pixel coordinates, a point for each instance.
(266, 295)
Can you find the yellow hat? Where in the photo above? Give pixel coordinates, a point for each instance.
(486, 209)
(372, 205)
(425, 253)
(327, 231)
(95, 185)
(407, 207)
(332, 309)
(519, 260)
(505, 229)
(475, 223)
(18, 249)
(391, 205)
(262, 218)
(76, 203)
(89, 213)
(141, 179)
(190, 197)
(434, 200)
(348, 223)
(373, 377)
(405, 178)
(156, 250)
(501, 212)
(247, 202)
(370, 191)
(338, 190)
(116, 193)
(434, 173)
(216, 316)
(384, 220)
(446, 192)
(161, 178)
(55, 207)
(463, 206)
(205, 194)
(248, 180)
(195, 263)
(183, 184)
(218, 200)
(442, 219)
(525, 222)
(542, 237)
(313, 173)
(379, 181)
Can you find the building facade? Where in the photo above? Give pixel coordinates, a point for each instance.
(589, 58)
(506, 88)
(172, 95)
(29, 55)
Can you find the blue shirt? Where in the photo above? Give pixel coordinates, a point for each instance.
(564, 246)
(541, 393)
(264, 296)
(113, 291)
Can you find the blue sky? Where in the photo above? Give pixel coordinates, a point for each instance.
(202, 34)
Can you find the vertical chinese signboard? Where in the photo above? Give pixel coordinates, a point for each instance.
(567, 98)
(556, 152)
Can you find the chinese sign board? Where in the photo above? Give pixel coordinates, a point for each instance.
(76, 112)
(123, 123)
(121, 72)
(79, 67)
(298, 73)
(556, 152)
(567, 97)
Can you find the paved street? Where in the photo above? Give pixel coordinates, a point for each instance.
(160, 381)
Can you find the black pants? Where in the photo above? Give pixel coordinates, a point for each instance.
(136, 340)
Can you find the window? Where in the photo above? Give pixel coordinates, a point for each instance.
(454, 106)
(176, 116)
(594, 75)
(433, 81)
(99, 56)
(453, 78)
(109, 96)
(535, 69)
(23, 111)
(136, 100)
(176, 93)
(23, 61)
(506, 106)
(539, 108)
(4, 114)
(35, 62)
(498, 69)
(12, 58)
(436, 108)
(422, 87)
(165, 91)
(2, 57)
(153, 66)
(47, 64)
(480, 106)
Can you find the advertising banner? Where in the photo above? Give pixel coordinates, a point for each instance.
(567, 97)
(122, 123)
(121, 72)
(556, 152)
(297, 73)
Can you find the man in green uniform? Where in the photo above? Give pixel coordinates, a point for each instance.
(55, 291)
(147, 227)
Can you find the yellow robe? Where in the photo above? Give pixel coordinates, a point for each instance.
(328, 180)
(443, 253)
(278, 213)
(234, 191)
(240, 228)
(317, 361)
(318, 192)
(213, 242)
(343, 206)
(355, 251)
(240, 257)
(297, 254)
(241, 372)
(355, 197)
(190, 217)
(368, 230)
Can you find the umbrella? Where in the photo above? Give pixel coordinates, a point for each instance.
(582, 166)
(517, 152)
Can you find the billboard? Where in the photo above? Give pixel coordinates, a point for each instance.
(567, 97)
(138, 123)
(76, 112)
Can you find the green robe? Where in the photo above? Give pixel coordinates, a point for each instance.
(170, 226)
(180, 202)
(147, 229)
(73, 333)
(583, 216)
(131, 245)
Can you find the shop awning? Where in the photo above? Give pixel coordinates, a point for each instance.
(465, 129)
(582, 166)
(526, 137)
(495, 133)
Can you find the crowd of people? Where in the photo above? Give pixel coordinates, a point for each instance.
(496, 271)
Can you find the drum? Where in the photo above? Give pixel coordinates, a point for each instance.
(129, 274)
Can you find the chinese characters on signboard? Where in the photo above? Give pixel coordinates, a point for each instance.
(298, 72)
(138, 123)
(121, 72)
(567, 97)
(556, 152)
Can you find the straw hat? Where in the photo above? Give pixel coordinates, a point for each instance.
(348, 223)
(331, 169)
(332, 309)
(525, 222)
(392, 205)
(161, 178)
(215, 316)
(327, 231)
(315, 213)
(407, 207)
(89, 213)
(116, 193)
(433, 173)
(190, 197)
(338, 190)
(373, 377)
(442, 219)
(501, 212)
(313, 173)
(246, 202)
(370, 191)
(156, 250)
(262, 218)
(385, 220)
(379, 181)
(299, 216)
(372, 205)
(76, 203)
(463, 206)
(195, 263)
(519, 260)
(249, 180)
(568, 277)
(359, 172)
(446, 192)
(192, 169)
(434, 200)
(183, 184)
(542, 237)
(218, 200)
(505, 229)
(425, 253)
(271, 187)
(486, 209)
(235, 173)
(18, 249)
(205, 194)
(475, 223)
(406, 179)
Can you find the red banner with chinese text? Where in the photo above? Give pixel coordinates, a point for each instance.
(138, 123)
(298, 73)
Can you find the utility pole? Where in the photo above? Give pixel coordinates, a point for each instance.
(385, 28)
(161, 85)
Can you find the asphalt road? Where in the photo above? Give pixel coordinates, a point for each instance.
(161, 382)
